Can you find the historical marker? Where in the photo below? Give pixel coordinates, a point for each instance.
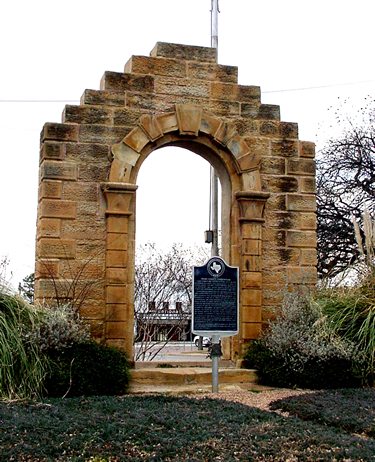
(215, 299)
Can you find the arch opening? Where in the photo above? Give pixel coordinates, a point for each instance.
(172, 213)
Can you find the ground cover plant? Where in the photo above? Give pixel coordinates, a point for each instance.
(161, 428)
(357, 409)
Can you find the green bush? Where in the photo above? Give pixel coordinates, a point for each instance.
(86, 369)
(22, 364)
(299, 350)
(351, 314)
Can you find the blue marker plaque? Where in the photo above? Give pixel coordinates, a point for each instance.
(215, 299)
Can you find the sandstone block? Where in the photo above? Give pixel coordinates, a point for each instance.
(50, 189)
(302, 275)
(251, 297)
(272, 165)
(252, 263)
(49, 227)
(168, 122)
(251, 330)
(117, 275)
(209, 123)
(54, 208)
(151, 127)
(117, 259)
(56, 248)
(252, 280)
(309, 257)
(155, 66)
(269, 112)
(47, 269)
(86, 115)
(182, 87)
(59, 132)
(222, 107)
(89, 311)
(307, 149)
(126, 117)
(300, 166)
(247, 128)
(116, 293)
(284, 148)
(52, 150)
(251, 314)
(100, 134)
(301, 238)
(58, 170)
(188, 118)
(211, 72)
(251, 247)
(289, 130)
(234, 92)
(301, 202)
(117, 330)
(136, 139)
(307, 185)
(107, 98)
(274, 256)
(269, 128)
(120, 82)
(116, 241)
(118, 312)
(251, 230)
(117, 224)
(277, 184)
(81, 191)
(185, 52)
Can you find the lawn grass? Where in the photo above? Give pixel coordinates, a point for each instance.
(162, 428)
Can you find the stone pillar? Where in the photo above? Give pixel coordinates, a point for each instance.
(251, 206)
(119, 318)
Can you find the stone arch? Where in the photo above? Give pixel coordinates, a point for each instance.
(191, 127)
(179, 95)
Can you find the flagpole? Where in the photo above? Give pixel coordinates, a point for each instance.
(214, 179)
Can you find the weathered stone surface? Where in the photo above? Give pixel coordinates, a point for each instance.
(117, 259)
(307, 185)
(301, 167)
(212, 72)
(86, 115)
(289, 130)
(307, 149)
(50, 189)
(49, 227)
(252, 280)
(99, 97)
(155, 66)
(54, 208)
(56, 248)
(182, 87)
(117, 224)
(251, 297)
(277, 184)
(251, 330)
(185, 52)
(251, 314)
(101, 134)
(234, 92)
(309, 257)
(120, 82)
(301, 202)
(188, 118)
(252, 247)
(302, 275)
(116, 293)
(272, 165)
(301, 238)
(58, 170)
(52, 150)
(284, 148)
(59, 132)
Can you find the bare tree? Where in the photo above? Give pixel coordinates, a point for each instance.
(345, 188)
(163, 292)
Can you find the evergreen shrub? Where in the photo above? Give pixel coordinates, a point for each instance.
(300, 350)
(86, 369)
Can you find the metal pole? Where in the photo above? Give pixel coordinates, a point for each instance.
(215, 365)
(214, 179)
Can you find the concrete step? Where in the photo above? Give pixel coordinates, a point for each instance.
(188, 379)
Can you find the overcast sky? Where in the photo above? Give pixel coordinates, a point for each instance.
(304, 55)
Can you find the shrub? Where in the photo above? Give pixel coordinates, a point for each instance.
(22, 365)
(59, 328)
(87, 369)
(351, 314)
(299, 350)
